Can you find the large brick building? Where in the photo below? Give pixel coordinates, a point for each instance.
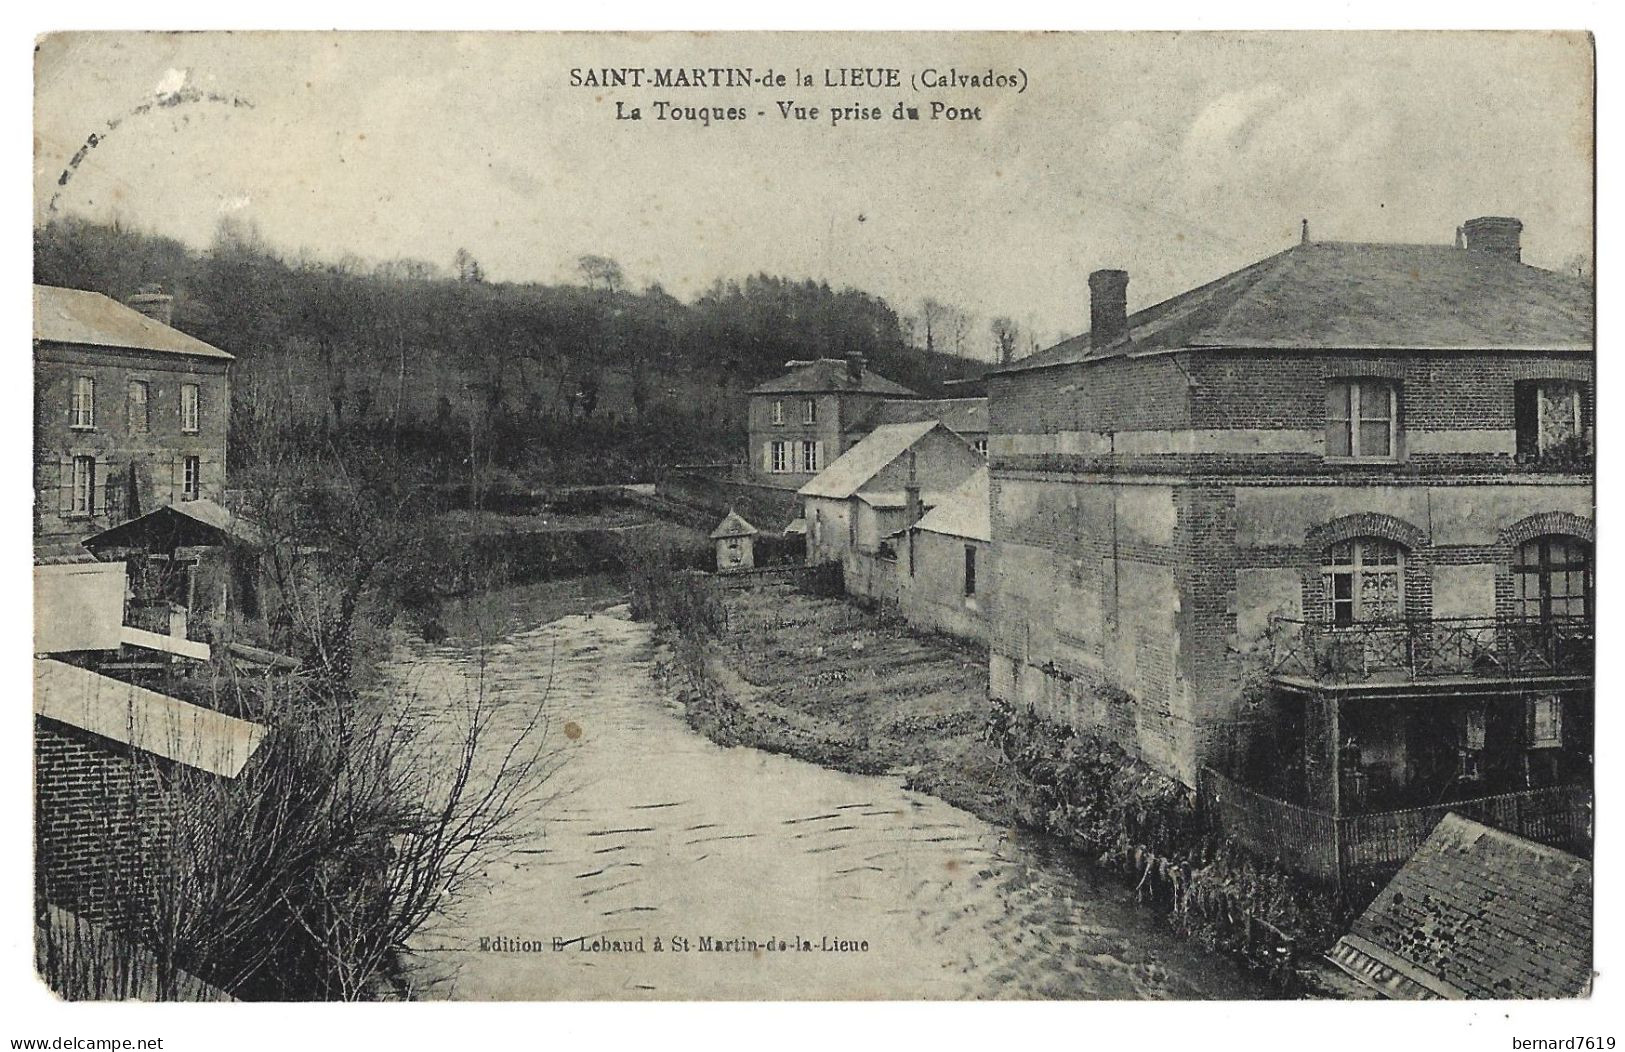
(129, 412)
(1331, 513)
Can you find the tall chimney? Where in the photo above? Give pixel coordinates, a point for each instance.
(1108, 308)
(854, 366)
(155, 303)
(911, 495)
(1495, 234)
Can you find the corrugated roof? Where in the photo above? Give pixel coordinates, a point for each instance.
(965, 416)
(829, 374)
(734, 525)
(963, 513)
(144, 719)
(863, 461)
(1351, 296)
(1481, 913)
(91, 319)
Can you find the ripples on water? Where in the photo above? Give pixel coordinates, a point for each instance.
(660, 832)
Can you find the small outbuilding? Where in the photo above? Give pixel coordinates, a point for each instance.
(736, 543)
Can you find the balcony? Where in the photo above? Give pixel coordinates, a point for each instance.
(1440, 651)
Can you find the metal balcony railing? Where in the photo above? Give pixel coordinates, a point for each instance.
(1431, 648)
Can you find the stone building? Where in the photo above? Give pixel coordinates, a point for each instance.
(942, 583)
(129, 412)
(1322, 526)
(855, 508)
(799, 423)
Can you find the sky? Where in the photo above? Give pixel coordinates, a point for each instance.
(1177, 157)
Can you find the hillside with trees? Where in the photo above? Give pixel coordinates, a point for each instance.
(523, 384)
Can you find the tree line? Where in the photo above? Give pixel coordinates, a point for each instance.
(445, 361)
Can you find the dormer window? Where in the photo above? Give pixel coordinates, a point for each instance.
(1362, 420)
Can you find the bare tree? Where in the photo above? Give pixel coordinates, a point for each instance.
(1005, 336)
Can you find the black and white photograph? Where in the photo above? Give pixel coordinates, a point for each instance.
(812, 516)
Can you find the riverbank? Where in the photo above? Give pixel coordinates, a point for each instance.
(823, 680)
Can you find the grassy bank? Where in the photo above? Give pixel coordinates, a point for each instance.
(823, 680)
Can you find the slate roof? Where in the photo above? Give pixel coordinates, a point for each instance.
(963, 513)
(1480, 913)
(144, 719)
(187, 522)
(91, 319)
(829, 374)
(733, 526)
(863, 461)
(966, 416)
(1351, 296)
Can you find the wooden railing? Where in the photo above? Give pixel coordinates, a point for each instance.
(1335, 849)
(1432, 648)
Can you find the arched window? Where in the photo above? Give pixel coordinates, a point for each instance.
(1364, 580)
(1551, 577)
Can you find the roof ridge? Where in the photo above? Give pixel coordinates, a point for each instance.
(1283, 262)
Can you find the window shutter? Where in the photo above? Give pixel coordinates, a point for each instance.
(66, 487)
(818, 455)
(767, 457)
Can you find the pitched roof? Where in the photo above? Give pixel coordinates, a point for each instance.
(89, 318)
(963, 513)
(829, 374)
(144, 719)
(1354, 296)
(733, 526)
(1480, 913)
(966, 416)
(187, 522)
(863, 461)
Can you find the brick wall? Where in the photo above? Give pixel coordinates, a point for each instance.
(96, 812)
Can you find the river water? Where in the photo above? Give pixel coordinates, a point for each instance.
(761, 876)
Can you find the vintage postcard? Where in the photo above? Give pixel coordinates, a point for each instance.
(813, 516)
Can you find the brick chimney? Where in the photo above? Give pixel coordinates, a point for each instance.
(1108, 308)
(854, 366)
(155, 303)
(1497, 234)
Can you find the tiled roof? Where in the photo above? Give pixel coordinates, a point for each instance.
(863, 461)
(733, 526)
(963, 513)
(1479, 913)
(144, 719)
(829, 374)
(91, 319)
(1352, 296)
(965, 416)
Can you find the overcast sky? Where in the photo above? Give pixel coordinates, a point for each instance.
(1176, 157)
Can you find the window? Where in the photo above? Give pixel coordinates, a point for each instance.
(192, 479)
(1551, 577)
(970, 569)
(981, 446)
(1362, 420)
(83, 415)
(1550, 419)
(140, 419)
(809, 456)
(1546, 722)
(778, 411)
(779, 463)
(1364, 580)
(809, 411)
(84, 485)
(188, 407)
